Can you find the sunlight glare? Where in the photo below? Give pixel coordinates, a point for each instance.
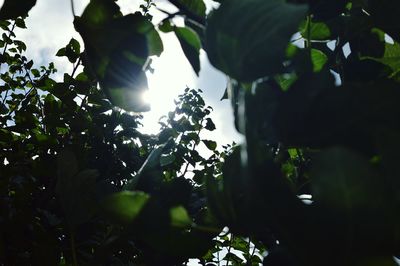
(172, 75)
(146, 97)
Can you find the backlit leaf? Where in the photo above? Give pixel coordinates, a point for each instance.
(191, 44)
(125, 206)
(179, 217)
(248, 39)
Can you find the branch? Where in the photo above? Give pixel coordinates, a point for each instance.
(188, 12)
(9, 36)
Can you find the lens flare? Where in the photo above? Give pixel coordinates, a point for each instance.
(146, 97)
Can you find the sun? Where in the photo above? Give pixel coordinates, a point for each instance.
(147, 97)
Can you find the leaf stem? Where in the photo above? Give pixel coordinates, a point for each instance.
(76, 67)
(308, 34)
(73, 8)
(193, 148)
(229, 250)
(9, 37)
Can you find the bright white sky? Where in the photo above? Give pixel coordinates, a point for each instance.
(50, 28)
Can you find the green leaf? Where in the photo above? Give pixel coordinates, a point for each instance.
(12, 9)
(191, 44)
(391, 57)
(211, 145)
(150, 166)
(285, 81)
(180, 217)
(125, 206)
(155, 43)
(318, 59)
(197, 7)
(118, 57)
(233, 258)
(247, 39)
(167, 159)
(166, 26)
(343, 179)
(210, 125)
(318, 31)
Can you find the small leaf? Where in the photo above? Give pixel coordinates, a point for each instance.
(318, 31)
(197, 7)
(167, 159)
(318, 59)
(166, 26)
(210, 125)
(180, 217)
(211, 145)
(125, 206)
(191, 44)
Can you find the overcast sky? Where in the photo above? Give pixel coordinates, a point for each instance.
(50, 28)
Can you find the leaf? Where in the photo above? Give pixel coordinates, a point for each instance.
(191, 44)
(318, 31)
(167, 159)
(125, 206)
(118, 57)
(155, 43)
(343, 179)
(211, 145)
(233, 258)
(151, 164)
(391, 57)
(195, 6)
(210, 125)
(166, 26)
(71, 51)
(318, 59)
(13, 9)
(180, 217)
(247, 39)
(225, 96)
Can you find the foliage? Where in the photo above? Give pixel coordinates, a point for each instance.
(81, 185)
(314, 85)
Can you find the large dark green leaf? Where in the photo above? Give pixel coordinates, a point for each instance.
(248, 39)
(191, 44)
(117, 48)
(12, 9)
(343, 179)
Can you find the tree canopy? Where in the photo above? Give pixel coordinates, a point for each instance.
(314, 86)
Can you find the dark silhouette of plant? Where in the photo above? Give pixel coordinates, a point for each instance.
(314, 87)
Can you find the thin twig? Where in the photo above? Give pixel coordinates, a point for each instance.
(188, 12)
(73, 8)
(229, 250)
(76, 67)
(193, 148)
(9, 36)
